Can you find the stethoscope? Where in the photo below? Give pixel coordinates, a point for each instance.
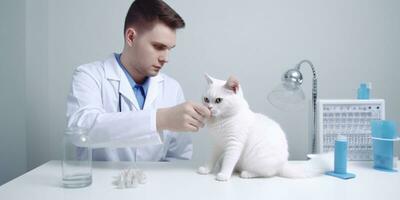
(119, 102)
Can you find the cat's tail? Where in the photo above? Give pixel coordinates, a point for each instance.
(316, 166)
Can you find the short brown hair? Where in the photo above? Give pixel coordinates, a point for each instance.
(145, 13)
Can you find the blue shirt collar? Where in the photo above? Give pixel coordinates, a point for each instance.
(132, 82)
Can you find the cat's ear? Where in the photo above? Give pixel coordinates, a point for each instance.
(232, 84)
(210, 80)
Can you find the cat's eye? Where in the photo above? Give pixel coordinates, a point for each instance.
(206, 100)
(218, 100)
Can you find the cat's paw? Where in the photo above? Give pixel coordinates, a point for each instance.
(203, 170)
(222, 177)
(247, 174)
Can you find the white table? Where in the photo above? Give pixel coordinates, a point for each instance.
(178, 180)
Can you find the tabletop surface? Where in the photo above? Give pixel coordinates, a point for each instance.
(179, 180)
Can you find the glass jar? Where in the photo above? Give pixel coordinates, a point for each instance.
(77, 158)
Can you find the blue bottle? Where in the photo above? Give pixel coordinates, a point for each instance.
(384, 135)
(340, 170)
(363, 91)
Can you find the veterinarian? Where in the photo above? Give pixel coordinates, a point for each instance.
(132, 110)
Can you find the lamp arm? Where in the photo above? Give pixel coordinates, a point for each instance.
(314, 100)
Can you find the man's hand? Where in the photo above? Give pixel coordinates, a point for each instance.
(188, 116)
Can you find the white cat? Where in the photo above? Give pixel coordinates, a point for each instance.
(247, 142)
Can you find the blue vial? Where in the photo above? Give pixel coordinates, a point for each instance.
(363, 91)
(340, 170)
(341, 155)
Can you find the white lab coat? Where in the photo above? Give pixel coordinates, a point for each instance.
(93, 102)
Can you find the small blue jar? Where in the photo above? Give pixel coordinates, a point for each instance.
(363, 91)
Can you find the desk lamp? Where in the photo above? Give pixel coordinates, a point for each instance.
(289, 95)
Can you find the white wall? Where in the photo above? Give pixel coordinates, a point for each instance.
(12, 90)
(348, 42)
(39, 136)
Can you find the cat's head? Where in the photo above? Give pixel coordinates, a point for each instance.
(223, 98)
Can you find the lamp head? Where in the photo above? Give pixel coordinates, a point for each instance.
(289, 95)
(292, 79)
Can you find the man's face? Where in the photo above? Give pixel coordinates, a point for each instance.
(150, 50)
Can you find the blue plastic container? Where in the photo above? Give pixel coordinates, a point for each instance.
(340, 170)
(363, 91)
(384, 134)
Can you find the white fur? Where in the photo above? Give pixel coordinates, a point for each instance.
(247, 142)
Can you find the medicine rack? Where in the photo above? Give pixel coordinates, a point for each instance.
(349, 117)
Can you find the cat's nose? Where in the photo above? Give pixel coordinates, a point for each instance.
(210, 107)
